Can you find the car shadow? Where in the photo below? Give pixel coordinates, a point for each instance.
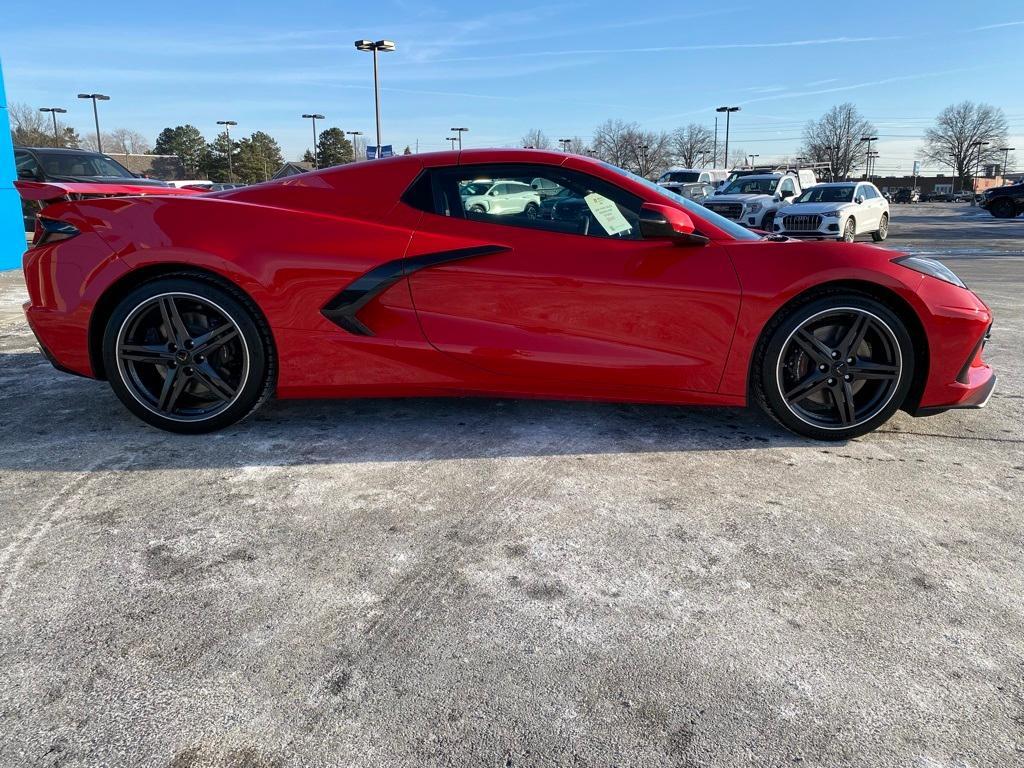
(57, 422)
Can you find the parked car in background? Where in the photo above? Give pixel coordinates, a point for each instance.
(754, 200)
(500, 198)
(906, 196)
(190, 183)
(963, 196)
(675, 177)
(1004, 202)
(838, 210)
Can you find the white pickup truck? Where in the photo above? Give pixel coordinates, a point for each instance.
(753, 200)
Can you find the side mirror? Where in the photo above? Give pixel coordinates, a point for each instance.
(785, 194)
(27, 173)
(858, 199)
(663, 222)
(493, 193)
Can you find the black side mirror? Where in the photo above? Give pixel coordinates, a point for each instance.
(785, 194)
(27, 174)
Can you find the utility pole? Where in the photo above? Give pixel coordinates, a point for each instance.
(54, 111)
(96, 115)
(227, 133)
(314, 117)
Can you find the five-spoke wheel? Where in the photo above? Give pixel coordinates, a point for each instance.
(836, 368)
(185, 355)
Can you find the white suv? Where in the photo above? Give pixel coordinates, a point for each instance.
(499, 198)
(754, 199)
(840, 210)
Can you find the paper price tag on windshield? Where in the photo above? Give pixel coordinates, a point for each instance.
(607, 214)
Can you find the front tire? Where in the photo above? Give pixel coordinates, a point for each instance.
(834, 368)
(187, 355)
(1003, 209)
(883, 229)
(849, 231)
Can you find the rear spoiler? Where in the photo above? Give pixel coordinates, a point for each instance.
(47, 191)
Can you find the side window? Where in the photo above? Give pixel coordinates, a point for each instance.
(787, 183)
(869, 192)
(25, 161)
(572, 202)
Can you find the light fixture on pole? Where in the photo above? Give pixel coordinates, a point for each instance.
(314, 117)
(384, 46)
(1005, 150)
(867, 155)
(227, 133)
(452, 139)
(54, 111)
(459, 132)
(96, 114)
(728, 111)
(565, 144)
(353, 134)
(752, 159)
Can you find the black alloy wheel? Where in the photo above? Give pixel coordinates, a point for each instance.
(186, 356)
(836, 368)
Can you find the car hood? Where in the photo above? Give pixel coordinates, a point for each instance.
(811, 209)
(738, 198)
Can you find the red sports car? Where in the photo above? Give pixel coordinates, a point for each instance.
(435, 274)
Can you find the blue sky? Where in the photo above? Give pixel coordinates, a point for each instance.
(503, 68)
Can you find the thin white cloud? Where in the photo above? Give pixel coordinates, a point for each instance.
(998, 26)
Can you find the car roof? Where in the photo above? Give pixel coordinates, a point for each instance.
(838, 183)
(63, 150)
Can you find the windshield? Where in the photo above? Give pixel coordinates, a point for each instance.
(86, 165)
(823, 194)
(730, 227)
(679, 177)
(749, 186)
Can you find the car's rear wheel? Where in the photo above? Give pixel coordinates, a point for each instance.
(532, 210)
(834, 368)
(187, 355)
(883, 229)
(850, 231)
(1003, 209)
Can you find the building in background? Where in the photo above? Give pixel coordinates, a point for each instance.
(292, 169)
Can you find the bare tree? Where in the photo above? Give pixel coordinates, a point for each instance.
(738, 157)
(120, 141)
(692, 144)
(578, 146)
(628, 146)
(952, 139)
(32, 128)
(536, 139)
(835, 138)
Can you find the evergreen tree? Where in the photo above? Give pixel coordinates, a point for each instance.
(333, 148)
(258, 158)
(187, 143)
(407, 150)
(217, 151)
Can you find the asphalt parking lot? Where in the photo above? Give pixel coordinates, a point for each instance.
(497, 583)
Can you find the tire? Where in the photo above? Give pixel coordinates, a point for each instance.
(883, 229)
(1003, 209)
(532, 210)
(187, 355)
(845, 400)
(477, 209)
(768, 222)
(849, 231)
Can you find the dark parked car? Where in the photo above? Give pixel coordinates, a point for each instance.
(47, 164)
(1004, 202)
(906, 196)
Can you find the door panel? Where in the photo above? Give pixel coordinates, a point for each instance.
(576, 308)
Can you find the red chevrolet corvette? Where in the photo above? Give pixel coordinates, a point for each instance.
(512, 273)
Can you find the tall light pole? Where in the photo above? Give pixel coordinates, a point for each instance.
(977, 165)
(752, 160)
(728, 112)
(867, 155)
(1005, 150)
(384, 46)
(459, 132)
(353, 134)
(714, 156)
(96, 114)
(565, 144)
(227, 133)
(643, 159)
(54, 111)
(314, 117)
(452, 139)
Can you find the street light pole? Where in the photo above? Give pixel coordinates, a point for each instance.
(95, 114)
(728, 112)
(752, 160)
(353, 134)
(714, 155)
(867, 156)
(314, 117)
(1005, 150)
(977, 166)
(459, 132)
(452, 139)
(54, 111)
(227, 133)
(374, 47)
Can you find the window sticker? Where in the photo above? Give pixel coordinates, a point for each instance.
(607, 214)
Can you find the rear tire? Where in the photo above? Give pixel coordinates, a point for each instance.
(1003, 209)
(188, 355)
(883, 229)
(803, 378)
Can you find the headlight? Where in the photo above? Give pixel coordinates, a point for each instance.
(930, 267)
(832, 214)
(753, 207)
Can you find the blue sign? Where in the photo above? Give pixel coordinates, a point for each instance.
(386, 150)
(12, 226)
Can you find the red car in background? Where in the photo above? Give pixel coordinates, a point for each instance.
(375, 279)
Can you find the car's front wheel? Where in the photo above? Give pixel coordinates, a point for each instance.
(1003, 209)
(835, 367)
(849, 231)
(883, 229)
(187, 355)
